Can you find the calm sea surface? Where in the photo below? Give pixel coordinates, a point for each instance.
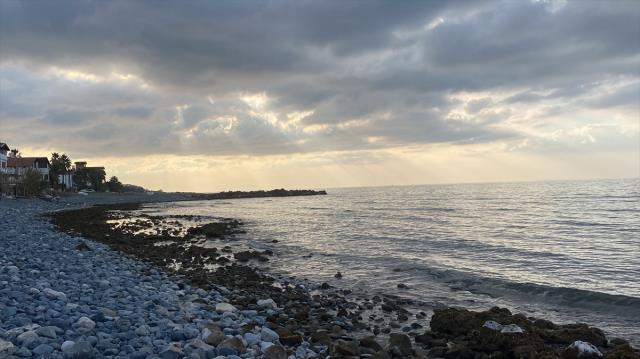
(565, 251)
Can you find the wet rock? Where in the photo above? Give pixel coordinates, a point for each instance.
(344, 348)
(371, 343)
(568, 334)
(580, 349)
(399, 344)
(338, 275)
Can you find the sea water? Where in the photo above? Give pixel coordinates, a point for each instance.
(567, 251)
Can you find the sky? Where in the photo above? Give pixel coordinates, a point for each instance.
(226, 95)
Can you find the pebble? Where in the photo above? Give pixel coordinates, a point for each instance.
(98, 303)
(269, 335)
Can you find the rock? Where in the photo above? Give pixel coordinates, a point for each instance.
(82, 246)
(213, 337)
(338, 275)
(42, 349)
(143, 330)
(371, 343)
(568, 334)
(454, 321)
(48, 332)
(225, 307)
(511, 329)
(171, 352)
(403, 286)
(85, 325)
(269, 335)
(66, 345)
(252, 339)
(27, 338)
(53, 294)
(580, 349)
(291, 339)
(399, 344)
(493, 325)
(6, 347)
(267, 303)
(232, 343)
(342, 348)
(321, 337)
(79, 350)
(275, 352)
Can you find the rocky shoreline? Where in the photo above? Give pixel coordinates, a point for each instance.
(145, 287)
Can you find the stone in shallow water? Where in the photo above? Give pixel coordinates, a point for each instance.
(269, 335)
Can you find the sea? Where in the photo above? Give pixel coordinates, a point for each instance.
(566, 251)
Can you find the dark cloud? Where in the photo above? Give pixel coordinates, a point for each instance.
(169, 77)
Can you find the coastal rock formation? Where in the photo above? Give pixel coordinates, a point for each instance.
(498, 333)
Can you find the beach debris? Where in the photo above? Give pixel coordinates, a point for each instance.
(493, 325)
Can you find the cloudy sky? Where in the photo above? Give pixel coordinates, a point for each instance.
(215, 95)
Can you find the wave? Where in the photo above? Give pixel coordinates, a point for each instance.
(498, 288)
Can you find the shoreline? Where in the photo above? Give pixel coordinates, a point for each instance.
(329, 319)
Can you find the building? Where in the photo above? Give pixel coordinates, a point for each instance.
(18, 166)
(4, 150)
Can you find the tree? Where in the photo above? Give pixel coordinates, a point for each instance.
(32, 182)
(60, 164)
(90, 178)
(114, 184)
